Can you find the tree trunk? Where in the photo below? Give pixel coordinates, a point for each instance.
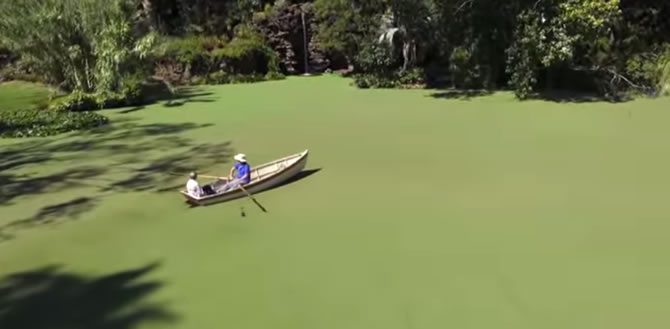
(149, 14)
(408, 54)
(405, 55)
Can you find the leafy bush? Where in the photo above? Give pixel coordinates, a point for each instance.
(40, 123)
(414, 78)
(218, 77)
(465, 72)
(131, 94)
(273, 75)
(76, 101)
(199, 59)
(222, 77)
(247, 53)
(374, 58)
(369, 80)
(19, 71)
(190, 49)
(650, 70)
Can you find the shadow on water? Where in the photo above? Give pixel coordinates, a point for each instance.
(72, 209)
(300, 176)
(158, 93)
(133, 109)
(190, 95)
(568, 96)
(557, 96)
(462, 94)
(51, 298)
(24, 166)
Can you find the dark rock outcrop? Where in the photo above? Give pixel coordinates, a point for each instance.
(283, 26)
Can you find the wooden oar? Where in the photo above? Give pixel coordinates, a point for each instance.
(252, 198)
(247, 193)
(203, 176)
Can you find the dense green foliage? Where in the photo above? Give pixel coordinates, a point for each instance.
(247, 57)
(612, 47)
(40, 123)
(86, 45)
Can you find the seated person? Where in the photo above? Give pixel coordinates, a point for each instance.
(192, 186)
(242, 172)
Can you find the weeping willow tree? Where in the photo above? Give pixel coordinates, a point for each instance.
(85, 45)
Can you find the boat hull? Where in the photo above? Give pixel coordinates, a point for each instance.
(254, 187)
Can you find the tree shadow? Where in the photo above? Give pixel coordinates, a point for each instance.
(199, 156)
(51, 298)
(190, 95)
(139, 155)
(72, 209)
(133, 109)
(462, 94)
(300, 176)
(567, 96)
(12, 186)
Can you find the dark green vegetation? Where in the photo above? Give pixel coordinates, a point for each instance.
(23, 114)
(613, 48)
(41, 123)
(463, 212)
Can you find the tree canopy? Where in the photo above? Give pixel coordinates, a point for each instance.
(605, 46)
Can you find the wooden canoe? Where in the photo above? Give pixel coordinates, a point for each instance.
(263, 177)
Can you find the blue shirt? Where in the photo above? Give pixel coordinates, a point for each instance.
(242, 170)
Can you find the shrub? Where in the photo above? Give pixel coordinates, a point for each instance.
(415, 78)
(19, 71)
(41, 123)
(222, 77)
(247, 53)
(465, 71)
(190, 49)
(76, 101)
(246, 78)
(245, 58)
(218, 77)
(179, 59)
(132, 91)
(412, 79)
(370, 80)
(651, 70)
(272, 75)
(374, 58)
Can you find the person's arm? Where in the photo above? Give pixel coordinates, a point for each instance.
(232, 171)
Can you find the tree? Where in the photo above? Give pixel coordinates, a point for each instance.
(85, 45)
(346, 27)
(573, 33)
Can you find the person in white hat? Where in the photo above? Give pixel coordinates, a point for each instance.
(240, 174)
